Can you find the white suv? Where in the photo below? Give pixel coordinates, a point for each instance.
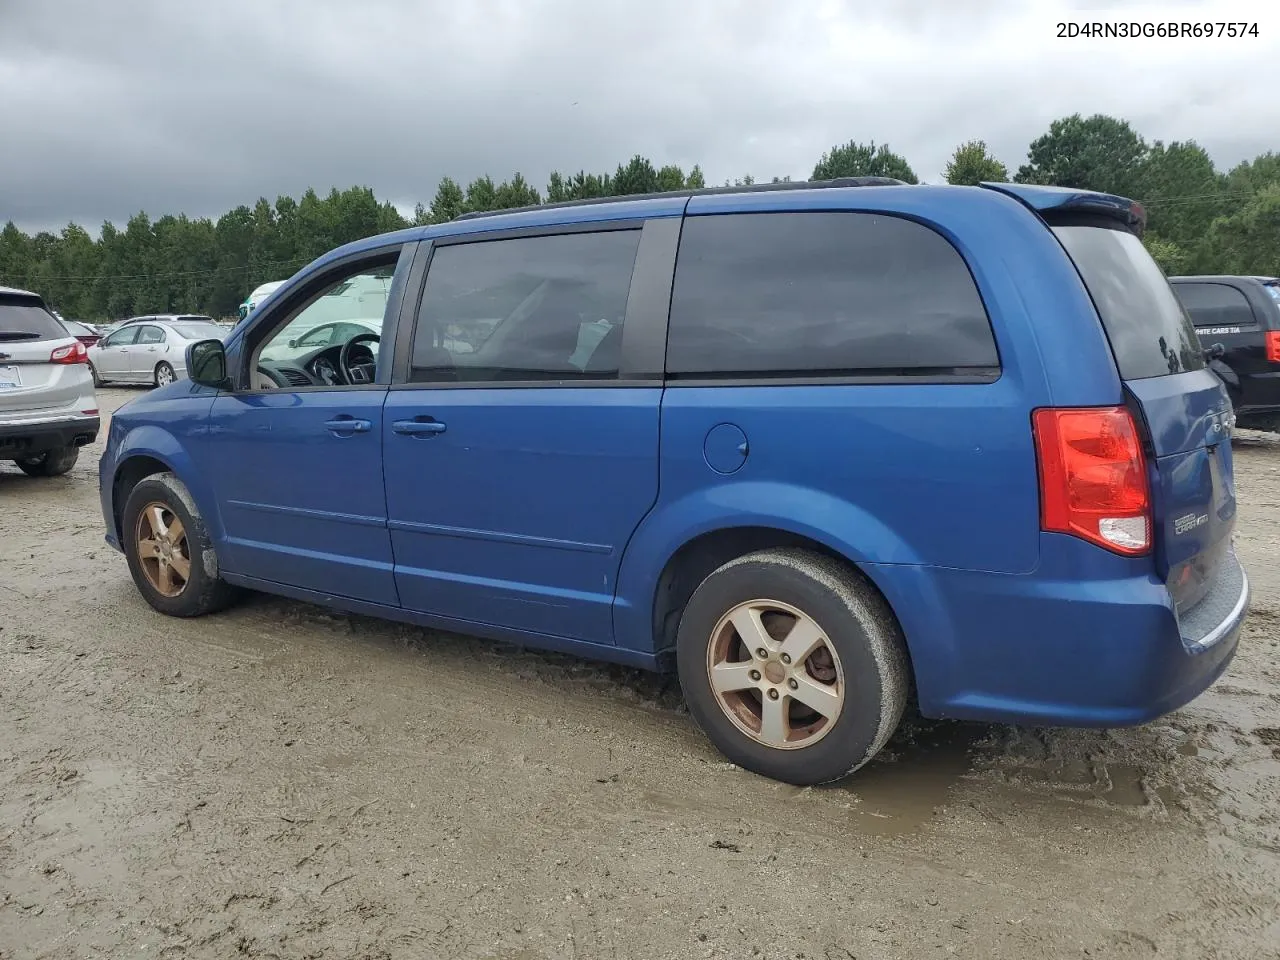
(47, 406)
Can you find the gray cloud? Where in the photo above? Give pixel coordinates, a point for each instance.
(108, 108)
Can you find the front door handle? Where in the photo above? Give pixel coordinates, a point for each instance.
(344, 426)
(418, 427)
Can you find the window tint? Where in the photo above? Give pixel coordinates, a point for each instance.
(150, 335)
(1215, 304)
(532, 308)
(22, 318)
(1151, 335)
(122, 337)
(794, 294)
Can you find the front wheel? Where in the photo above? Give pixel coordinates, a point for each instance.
(93, 372)
(164, 374)
(171, 557)
(793, 665)
(51, 464)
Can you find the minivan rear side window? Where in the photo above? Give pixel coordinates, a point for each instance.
(1215, 305)
(1150, 334)
(801, 294)
(22, 318)
(543, 308)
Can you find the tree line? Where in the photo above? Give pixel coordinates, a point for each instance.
(1200, 219)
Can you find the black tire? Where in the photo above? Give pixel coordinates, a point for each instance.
(93, 372)
(204, 591)
(163, 372)
(856, 623)
(51, 464)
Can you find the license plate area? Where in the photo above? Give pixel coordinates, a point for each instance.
(10, 376)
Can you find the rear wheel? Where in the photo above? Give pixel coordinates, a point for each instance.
(164, 374)
(54, 463)
(171, 557)
(793, 665)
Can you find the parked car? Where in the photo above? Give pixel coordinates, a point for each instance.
(149, 349)
(83, 332)
(1238, 318)
(47, 406)
(822, 445)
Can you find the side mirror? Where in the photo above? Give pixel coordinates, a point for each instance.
(207, 363)
(1215, 352)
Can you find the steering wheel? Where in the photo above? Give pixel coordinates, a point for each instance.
(364, 370)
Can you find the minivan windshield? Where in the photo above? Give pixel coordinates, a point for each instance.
(22, 318)
(1151, 335)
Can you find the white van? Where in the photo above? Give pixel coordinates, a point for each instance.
(259, 294)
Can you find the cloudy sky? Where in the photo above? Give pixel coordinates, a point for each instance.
(108, 107)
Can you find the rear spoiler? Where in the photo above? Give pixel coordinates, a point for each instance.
(1058, 204)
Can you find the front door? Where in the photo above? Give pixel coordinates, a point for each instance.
(518, 460)
(114, 354)
(298, 469)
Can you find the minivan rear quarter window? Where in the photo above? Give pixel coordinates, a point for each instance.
(1150, 334)
(825, 294)
(22, 318)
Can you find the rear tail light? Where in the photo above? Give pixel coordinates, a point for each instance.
(1093, 477)
(71, 353)
(1273, 346)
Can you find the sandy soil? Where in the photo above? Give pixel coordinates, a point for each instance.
(281, 781)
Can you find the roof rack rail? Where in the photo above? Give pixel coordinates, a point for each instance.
(697, 192)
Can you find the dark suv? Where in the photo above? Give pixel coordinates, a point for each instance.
(823, 445)
(1242, 316)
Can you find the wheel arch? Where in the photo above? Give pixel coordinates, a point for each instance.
(695, 559)
(149, 450)
(128, 474)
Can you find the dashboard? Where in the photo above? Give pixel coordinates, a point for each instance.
(322, 367)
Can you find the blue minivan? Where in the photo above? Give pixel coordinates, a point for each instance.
(825, 447)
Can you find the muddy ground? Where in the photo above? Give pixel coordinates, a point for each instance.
(281, 781)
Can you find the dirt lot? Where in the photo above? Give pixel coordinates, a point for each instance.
(280, 781)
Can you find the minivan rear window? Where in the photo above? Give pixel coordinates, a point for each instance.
(1151, 335)
(22, 318)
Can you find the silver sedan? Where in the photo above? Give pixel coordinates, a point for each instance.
(151, 350)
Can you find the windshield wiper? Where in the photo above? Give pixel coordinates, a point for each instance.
(6, 336)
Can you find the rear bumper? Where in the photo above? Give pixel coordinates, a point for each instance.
(1061, 648)
(30, 438)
